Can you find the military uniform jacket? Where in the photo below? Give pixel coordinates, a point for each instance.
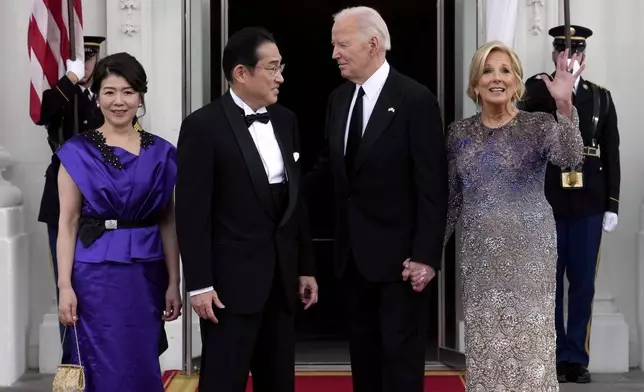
(57, 115)
(601, 174)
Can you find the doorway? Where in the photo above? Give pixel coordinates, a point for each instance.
(302, 30)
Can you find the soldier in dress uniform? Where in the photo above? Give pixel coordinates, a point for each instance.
(584, 200)
(57, 115)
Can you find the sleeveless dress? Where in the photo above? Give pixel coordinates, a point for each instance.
(120, 278)
(507, 245)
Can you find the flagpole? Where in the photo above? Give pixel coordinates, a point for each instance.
(567, 27)
(72, 55)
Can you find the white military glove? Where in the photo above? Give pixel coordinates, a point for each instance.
(610, 221)
(77, 67)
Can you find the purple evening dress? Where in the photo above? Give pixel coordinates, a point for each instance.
(120, 279)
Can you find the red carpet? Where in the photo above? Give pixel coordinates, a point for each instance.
(436, 381)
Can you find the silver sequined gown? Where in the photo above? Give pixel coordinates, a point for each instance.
(508, 247)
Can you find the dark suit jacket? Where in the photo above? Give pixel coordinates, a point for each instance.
(395, 204)
(601, 175)
(229, 235)
(57, 115)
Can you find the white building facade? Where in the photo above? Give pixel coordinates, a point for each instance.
(152, 31)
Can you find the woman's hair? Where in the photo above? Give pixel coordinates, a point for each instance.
(125, 66)
(477, 67)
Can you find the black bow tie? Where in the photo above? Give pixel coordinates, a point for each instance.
(261, 117)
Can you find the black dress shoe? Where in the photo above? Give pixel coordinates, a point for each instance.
(578, 374)
(562, 372)
(583, 376)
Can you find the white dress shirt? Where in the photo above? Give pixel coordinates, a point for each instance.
(372, 88)
(264, 137)
(269, 151)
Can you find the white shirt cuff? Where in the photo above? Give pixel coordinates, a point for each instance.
(201, 291)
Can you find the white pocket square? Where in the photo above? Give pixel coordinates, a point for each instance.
(296, 156)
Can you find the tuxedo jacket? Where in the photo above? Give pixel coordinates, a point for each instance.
(228, 232)
(602, 174)
(394, 205)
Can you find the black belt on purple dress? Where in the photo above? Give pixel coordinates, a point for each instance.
(90, 229)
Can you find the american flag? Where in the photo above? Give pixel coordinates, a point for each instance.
(48, 40)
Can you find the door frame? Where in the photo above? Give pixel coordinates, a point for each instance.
(447, 355)
(449, 278)
(197, 91)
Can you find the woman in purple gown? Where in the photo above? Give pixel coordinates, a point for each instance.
(117, 250)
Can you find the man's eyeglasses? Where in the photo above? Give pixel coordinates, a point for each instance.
(274, 69)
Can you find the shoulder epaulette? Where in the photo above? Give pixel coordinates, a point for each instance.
(539, 76)
(601, 88)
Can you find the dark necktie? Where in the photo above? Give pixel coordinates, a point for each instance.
(355, 133)
(261, 117)
(86, 95)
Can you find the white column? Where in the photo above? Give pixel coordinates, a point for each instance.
(14, 279)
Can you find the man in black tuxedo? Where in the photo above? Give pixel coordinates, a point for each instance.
(385, 149)
(245, 244)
